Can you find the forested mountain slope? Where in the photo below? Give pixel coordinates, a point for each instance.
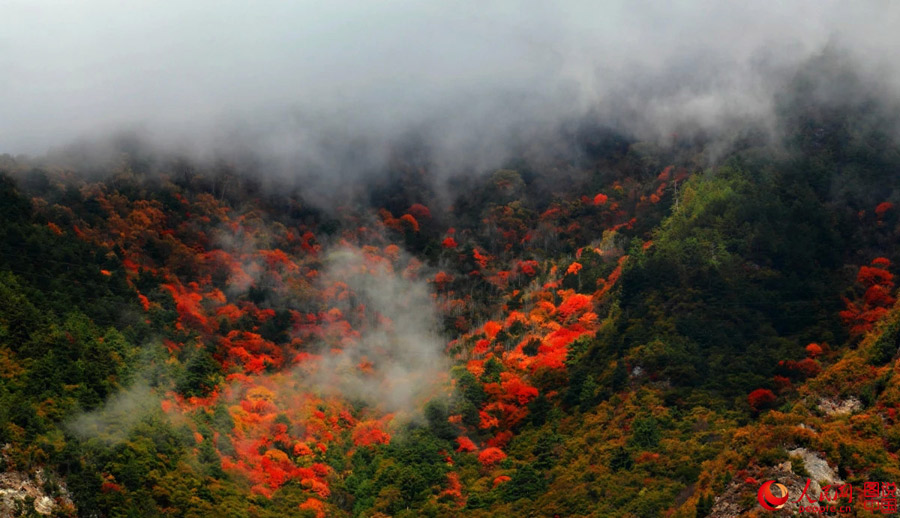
(621, 329)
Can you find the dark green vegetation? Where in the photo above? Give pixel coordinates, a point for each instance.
(628, 342)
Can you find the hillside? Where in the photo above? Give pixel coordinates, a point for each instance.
(621, 329)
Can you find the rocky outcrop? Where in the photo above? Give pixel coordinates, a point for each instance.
(838, 407)
(818, 469)
(19, 490)
(740, 497)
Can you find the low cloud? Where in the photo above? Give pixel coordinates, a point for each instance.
(327, 92)
(114, 421)
(398, 357)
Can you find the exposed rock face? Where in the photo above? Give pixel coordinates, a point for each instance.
(834, 406)
(44, 505)
(740, 497)
(18, 488)
(817, 467)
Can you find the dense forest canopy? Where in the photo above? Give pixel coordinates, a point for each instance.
(591, 319)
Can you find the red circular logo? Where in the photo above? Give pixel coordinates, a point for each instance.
(769, 499)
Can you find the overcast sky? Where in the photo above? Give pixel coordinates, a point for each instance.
(198, 72)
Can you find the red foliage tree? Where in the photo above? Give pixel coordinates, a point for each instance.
(465, 444)
(408, 222)
(664, 175)
(761, 398)
(808, 367)
(454, 489)
(419, 211)
(813, 350)
(528, 268)
(491, 457)
(480, 258)
(502, 479)
(517, 390)
(55, 228)
(878, 282)
(491, 328)
(368, 433)
(442, 279)
(782, 383)
(314, 505)
(574, 304)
